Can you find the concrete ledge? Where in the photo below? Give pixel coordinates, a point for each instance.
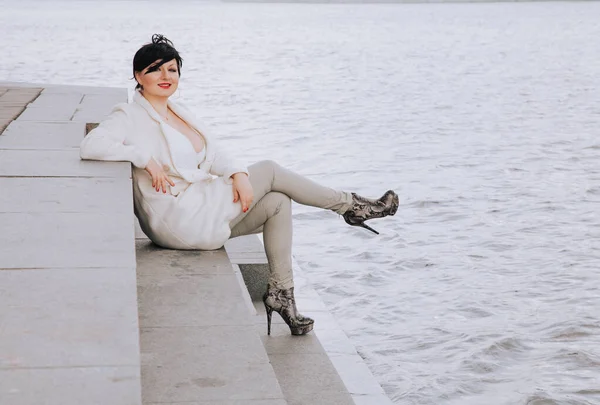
(64, 319)
(249, 255)
(197, 336)
(56, 163)
(70, 386)
(42, 135)
(68, 304)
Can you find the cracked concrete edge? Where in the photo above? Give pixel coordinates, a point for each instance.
(30, 95)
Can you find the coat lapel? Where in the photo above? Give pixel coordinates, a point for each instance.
(187, 174)
(193, 122)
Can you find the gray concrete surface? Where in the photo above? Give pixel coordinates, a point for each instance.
(304, 371)
(69, 330)
(70, 385)
(42, 135)
(56, 163)
(192, 311)
(13, 101)
(197, 336)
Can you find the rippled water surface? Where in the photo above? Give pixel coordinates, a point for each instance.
(484, 288)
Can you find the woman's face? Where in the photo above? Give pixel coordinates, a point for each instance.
(161, 81)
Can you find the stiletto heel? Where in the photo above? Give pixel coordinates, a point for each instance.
(363, 209)
(284, 303)
(369, 228)
(269, 314)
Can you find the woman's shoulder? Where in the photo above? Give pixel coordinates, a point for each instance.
(127, 107)
(129, 111)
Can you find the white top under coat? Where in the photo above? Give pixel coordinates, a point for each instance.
(181, 146)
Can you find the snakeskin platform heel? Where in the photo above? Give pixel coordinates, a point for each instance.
(284, 303)
(364, 209)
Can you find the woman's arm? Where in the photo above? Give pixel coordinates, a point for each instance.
(235, 174)
(108, 141)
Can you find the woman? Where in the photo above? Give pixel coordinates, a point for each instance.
(188, 194)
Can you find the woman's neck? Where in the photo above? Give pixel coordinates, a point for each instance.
(159, 103)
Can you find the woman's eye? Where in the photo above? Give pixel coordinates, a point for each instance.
(172, 70)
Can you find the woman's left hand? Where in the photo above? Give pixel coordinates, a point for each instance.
(242, 190)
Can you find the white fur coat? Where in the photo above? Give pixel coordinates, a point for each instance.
(196, 213)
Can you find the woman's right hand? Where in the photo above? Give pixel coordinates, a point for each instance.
(159, 177)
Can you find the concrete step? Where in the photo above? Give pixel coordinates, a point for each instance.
(197, 335)
(203, 339)
(320, 368)
(68, 310)
(304, 371)
(303, 368)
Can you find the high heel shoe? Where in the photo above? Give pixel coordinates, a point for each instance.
(284, 303)
(364, 209)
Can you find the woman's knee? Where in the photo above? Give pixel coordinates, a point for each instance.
(278, 202)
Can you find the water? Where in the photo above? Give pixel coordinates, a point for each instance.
(483, 289)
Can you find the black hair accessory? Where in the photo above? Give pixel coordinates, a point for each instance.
(161, 39)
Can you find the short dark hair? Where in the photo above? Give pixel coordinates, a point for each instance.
(159, 49)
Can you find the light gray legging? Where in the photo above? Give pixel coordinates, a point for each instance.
(271, 213)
